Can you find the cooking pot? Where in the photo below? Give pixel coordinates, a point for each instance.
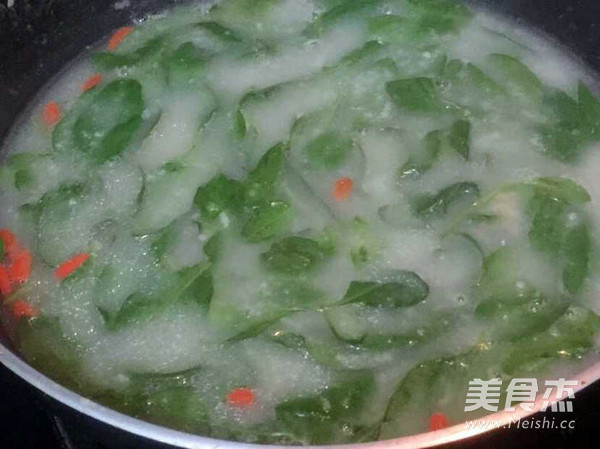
(39, 37)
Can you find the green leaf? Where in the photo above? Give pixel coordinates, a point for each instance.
(414, 94)
(564, 108)
(62, 201)
(517, 76)
(441, 16)
(343, 10)
(395, 29)
(218, 195)
(44, 346)
(460, 136)
(437, 205)
(589, 112)
(219, 31)
(560, 188)
(407, 289)
(105, 129)
(571, 336)
(500, 277)
(169, 400)
(240, 126)
(548, 223)
(561, 143)
(577, 252)
(162, 241)
(267, 221)
(191, 285)
(213, 247)
(280, 298)
(360, 256)
(456, 138)
(457, 71)
(420, 331)
(116, 140)
(293, 255)
(1, 250)
(328, 151)
(185, 64)
(573, 123)
(136, 309)
(194, 284)
(261, 182)
(327, 418)
(415, 387)
(521, 317)
(367, 51)
(111, 60)
(511, 306)
(450, 8)
(422, 162)
(288, 340)
(28, 167)
(24, 179)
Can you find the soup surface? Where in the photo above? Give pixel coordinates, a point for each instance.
(305, 221)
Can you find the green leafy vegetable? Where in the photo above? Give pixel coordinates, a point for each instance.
(29, 168)
(328, 151)
(278, 299)
(136, 309)
(240, 126)
(342, 10)
(515, 308)
(260, 184)
(406, 289)
(219, 31)
(194, 284)
(456, 138)
(469, 75)
(367, 51)
(191, 285)
(185, 64)
(561, 189)
(441, 15)
(219, 195)
(212, 248)
(267, 221)
(414, 94)
(547, 230)
(588, 112)
(558, 188)
(111, 60)
(460, 135)
(559, 230)
(577, 253)
(104, 130)
(517, 76)
(569, 337)
(170, 399)
(44, 345)
(573, 125)
(293, 255)
(325, 418)
(422, 162)
(437, 205)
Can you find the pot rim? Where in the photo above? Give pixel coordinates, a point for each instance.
(179, 439)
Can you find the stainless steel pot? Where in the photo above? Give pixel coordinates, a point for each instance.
(38, 37)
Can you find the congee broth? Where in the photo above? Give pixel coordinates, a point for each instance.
(305, 221)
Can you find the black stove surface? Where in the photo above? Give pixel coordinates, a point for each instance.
(25, 423)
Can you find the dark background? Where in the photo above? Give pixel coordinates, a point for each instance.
(37, 37)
